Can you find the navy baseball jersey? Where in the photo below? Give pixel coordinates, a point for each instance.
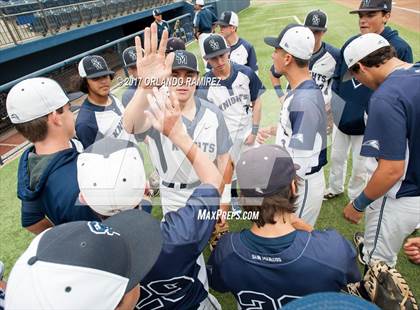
(54, 193)
(392, 130)
(173, 281)
(162, 26)
(322, 66)
(208, 130)
(234, 97)
(2, 296)
(243, 53)
(204, 20)
(95, 122)
(350, 98)
(302, 127)
(319, 261)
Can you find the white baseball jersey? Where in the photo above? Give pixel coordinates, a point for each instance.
(208, 130)
(302, 128)
(96, 122)
(234, 97)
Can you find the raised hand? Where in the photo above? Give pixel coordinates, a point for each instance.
(153, 67)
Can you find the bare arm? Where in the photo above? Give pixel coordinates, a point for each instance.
(153, 68)
(40, 226)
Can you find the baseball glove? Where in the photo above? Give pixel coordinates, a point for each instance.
(388, 289)
(218, 232)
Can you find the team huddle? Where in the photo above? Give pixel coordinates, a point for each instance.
(86, 197)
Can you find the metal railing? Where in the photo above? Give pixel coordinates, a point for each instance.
(64, 71)
(18, 27)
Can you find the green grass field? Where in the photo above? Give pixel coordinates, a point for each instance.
(256, 22)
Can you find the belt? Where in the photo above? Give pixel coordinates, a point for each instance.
(181, 185)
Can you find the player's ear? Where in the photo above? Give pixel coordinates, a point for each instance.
(293, 188)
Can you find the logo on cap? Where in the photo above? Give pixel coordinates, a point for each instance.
(101, 229)
(366, 2)
(315, 20)
(96, 63)
(181, 59)
(214, 45)
(132, 54)
(14, 116)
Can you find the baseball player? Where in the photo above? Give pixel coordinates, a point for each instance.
(204, 25)
(47, 173)
(302, 124)
(101, 113)
(391, 199)
(280, 258)
(162, 25)
(237, 95)
(241, 51)
(350, 105)
(324, 59)
(86, 265)
(206, 126)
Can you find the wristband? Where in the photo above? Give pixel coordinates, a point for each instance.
(226, 195)
(254, 130)
(362, 202)
(279, 91)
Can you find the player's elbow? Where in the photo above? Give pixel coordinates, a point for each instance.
(394, 170)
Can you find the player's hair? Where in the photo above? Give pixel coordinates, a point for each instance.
(376, 58)
(301, 63)
(37, 129)
(80, 84)
(282, 202)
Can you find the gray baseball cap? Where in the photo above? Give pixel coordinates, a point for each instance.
(185, 60)
(215, 45)
(265, 170)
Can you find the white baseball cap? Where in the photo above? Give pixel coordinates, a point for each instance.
(228, 18)
(295, 39)
(361, 47)
(34, 98)
(111, 176)
(85, 265)
(199, 2)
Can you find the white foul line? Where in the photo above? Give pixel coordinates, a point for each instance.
(405, 9)
(297, 20)
(282, 17)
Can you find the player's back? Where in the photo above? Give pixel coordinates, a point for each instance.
(314, 262)
(173, 282)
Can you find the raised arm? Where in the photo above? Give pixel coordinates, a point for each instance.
(153, 68)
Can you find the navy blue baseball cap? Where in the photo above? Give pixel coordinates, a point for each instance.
(175, 44)
(85, 265)
(94, 66)
(373, 6)
(265, 170)
(157, 12)
(215, 45)
(316, 20)
(185, 60)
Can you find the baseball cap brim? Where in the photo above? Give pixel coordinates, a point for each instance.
(184, 68)
(217, 53)
(272, 41)
(317, 28)
(368, 10)
(347, 76)
(222, 23)
(145, 241)
(99, 74)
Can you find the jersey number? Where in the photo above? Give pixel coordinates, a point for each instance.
(250, 300)
(156, 292)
